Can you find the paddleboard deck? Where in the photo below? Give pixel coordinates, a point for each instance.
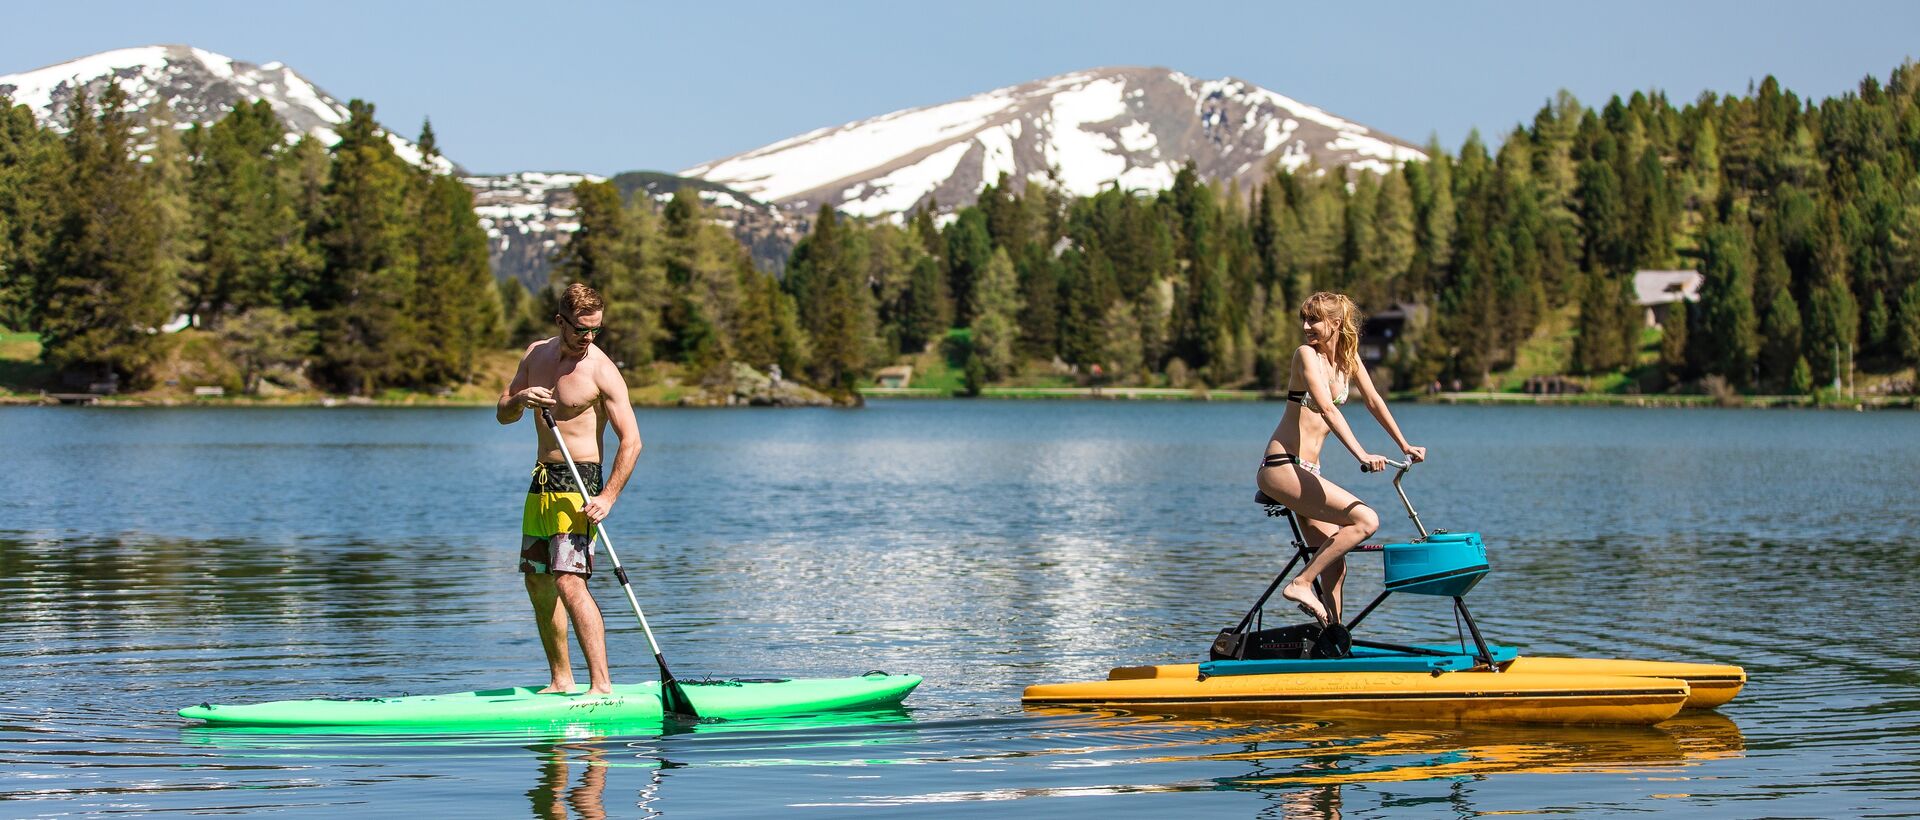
(523, 706)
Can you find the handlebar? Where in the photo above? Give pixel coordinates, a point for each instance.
(1404, 467)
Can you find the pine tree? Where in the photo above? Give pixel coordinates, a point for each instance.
(996, 326)
(31, 174)
(613, 252)
(105, 289)
(1833, 328)
(1598, 345)
(170, 168)
(926, 316)
(527, 320)
(1728, 336)
(302, 172)
(793, 349)
(1435, 217)
(1279, 336)
(1603, 218)
(969, 248)
(834, 303)
(1039, 318)
(246, 216)
(455, 288)
(1780, 340)
(1673, 341)
(1088, 288)
(368, 337)
(754, 339)
(1393, 234)
(1907, 325)
(1703, 165)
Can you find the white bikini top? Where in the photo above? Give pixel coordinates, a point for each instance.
(1304, 398)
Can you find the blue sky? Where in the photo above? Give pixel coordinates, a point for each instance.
(613, 86)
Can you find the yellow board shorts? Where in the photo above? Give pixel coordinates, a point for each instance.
(555, 535)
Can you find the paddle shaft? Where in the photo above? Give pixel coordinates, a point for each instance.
(600, 532)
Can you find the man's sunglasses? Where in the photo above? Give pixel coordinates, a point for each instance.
(586, 331)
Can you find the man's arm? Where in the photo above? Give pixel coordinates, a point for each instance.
(518, 395)
(615, 402)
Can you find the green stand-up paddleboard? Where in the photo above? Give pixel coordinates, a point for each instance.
(520, 706)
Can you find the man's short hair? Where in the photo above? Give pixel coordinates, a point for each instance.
(578, 299)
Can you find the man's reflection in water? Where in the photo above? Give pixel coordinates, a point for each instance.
(550, 794)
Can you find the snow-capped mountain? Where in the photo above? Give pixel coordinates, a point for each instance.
(195, 86)
(1133, 127)
(528, 215)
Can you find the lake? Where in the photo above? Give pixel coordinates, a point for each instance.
(155, 558)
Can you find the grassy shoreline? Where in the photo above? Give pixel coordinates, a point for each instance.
(23, 378)
(661, 396)
(1416, 397)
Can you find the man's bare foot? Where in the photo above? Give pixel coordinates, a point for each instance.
(556, 687)
(600, 690)
(1308, 602)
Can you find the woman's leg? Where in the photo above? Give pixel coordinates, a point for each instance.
(1333, 581)
(1322, 501)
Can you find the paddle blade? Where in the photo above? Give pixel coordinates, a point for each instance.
(673, 699)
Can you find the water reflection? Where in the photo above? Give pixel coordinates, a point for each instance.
(555, 797)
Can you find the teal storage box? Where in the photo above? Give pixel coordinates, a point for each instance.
(1444, 563)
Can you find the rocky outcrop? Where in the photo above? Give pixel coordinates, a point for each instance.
(746, 387)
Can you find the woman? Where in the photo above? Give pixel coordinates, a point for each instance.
(1334, 521)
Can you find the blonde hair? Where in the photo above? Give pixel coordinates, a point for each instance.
(1346, 346)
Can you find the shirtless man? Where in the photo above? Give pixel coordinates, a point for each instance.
(570, 376)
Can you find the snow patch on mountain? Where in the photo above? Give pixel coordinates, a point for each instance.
(1133, 127)
(899, 190)
(191, 85)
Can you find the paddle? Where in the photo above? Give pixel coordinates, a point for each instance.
(672, 698)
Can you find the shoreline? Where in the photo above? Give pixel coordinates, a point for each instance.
(1150, 394)
(1413, 397)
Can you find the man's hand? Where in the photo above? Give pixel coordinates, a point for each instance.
(599, 506)
(535, 397)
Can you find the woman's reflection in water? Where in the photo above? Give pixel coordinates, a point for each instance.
(1313, 803)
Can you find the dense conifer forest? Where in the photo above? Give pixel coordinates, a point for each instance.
(368, 273)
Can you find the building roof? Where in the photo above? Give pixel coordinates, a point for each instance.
(1662, 287)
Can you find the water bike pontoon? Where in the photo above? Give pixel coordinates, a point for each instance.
(1310, 670)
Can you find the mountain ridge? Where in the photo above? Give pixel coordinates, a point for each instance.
(195, 86)
(1131, 126)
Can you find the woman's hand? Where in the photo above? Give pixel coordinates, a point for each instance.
(1371, 463)
(1418, 454)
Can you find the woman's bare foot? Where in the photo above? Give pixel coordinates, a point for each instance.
(556, 688)
(1309, 603)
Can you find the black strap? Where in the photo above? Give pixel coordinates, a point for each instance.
(1279, 460)
(1297, 396)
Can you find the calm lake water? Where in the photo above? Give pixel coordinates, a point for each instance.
(155, 558)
